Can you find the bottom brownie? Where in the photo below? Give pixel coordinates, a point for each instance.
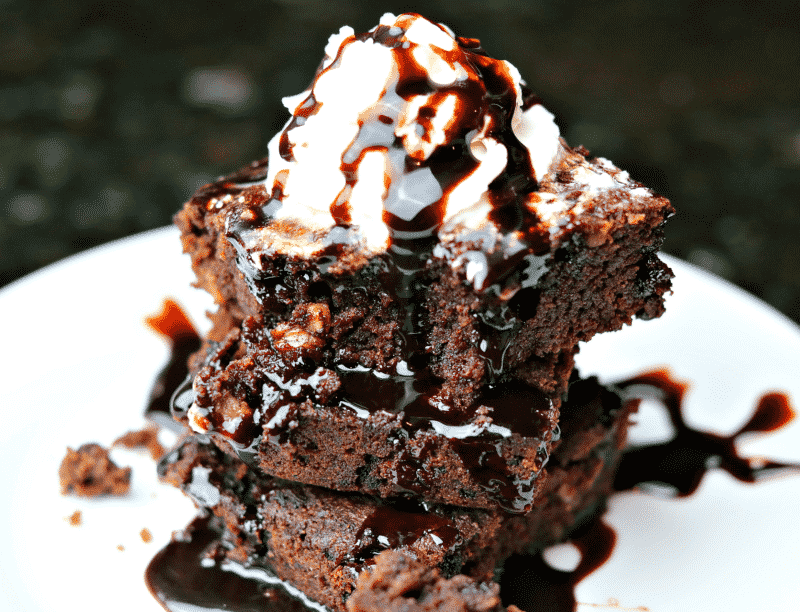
(320, 541)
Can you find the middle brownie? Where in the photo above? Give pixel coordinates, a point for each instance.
(355, 429)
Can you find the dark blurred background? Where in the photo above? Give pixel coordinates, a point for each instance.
(113, 112)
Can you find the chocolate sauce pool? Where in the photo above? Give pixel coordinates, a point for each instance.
(532, 585)
(183, 578)
(182, 575)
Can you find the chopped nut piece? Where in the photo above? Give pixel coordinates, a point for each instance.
(295, 343)
(314, 318)
(234, 411)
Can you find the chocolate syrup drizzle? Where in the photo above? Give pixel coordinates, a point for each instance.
(390, 527)
(488, 94)
(681, 462)
(178, 575)
(174, 325)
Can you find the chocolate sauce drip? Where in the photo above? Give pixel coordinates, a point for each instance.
(174, 325)
(514, 405)
(681, 462)
(491, 470)
(184, 574)
(301, 114)
(518, 407)
(390, 527)
(532, 585)
(364, 389)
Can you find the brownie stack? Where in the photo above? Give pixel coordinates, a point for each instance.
(410, 386)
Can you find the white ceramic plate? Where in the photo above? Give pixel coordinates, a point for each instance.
(77, 362)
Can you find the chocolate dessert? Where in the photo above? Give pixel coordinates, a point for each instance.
(320, 541)
(401, 288)
(403, 284)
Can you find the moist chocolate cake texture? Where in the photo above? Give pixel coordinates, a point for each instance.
(401, 288)
(398, 583)
(425, 320)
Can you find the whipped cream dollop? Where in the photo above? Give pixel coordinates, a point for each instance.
(410, 134)
(403, 129)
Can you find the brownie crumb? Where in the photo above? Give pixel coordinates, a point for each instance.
(142, 438)
(75, 519)
(146, 536)
(89, 472)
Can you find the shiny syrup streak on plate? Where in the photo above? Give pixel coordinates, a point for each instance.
(180, 574)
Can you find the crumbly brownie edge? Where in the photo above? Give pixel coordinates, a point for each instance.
(399, 583)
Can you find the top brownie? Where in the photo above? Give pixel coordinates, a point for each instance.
(420, 239)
